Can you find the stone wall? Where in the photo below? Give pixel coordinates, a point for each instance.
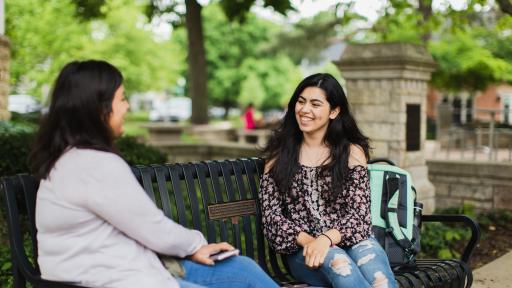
(484, 185)
(5, 58)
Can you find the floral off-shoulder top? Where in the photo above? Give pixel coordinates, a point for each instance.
(312, 212)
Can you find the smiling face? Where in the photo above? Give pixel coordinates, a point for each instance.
(313, 112)
(119, 108)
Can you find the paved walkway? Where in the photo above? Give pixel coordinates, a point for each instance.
(497, 274)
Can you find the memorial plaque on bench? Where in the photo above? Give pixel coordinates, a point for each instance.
(232, 209)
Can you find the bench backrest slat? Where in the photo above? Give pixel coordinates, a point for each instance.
(28, 185)
(14, 226)
(146, 181)
(247, 223)
(201, 171)
(188, 171)
(213, 169)
(162, 175)
(175, 172)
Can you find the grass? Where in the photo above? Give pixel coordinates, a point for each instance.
(132, 123)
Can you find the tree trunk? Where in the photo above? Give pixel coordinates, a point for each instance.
(425, 8)
(505, 6)
(196, 63)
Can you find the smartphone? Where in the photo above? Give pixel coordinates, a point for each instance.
(224, 254)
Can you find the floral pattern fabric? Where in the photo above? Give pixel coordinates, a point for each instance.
(313, 211)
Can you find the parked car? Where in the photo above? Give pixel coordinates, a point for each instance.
(23, 104)
(174, 109)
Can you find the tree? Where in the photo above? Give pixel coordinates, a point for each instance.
(468, 44)
(278, 77)
(38, 52)
(236, 58)
(197, 72)
(120, 35)
(505, 6)
(464, 64)
(123, 37)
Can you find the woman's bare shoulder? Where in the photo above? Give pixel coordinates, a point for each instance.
(269, 164)
(357, 156)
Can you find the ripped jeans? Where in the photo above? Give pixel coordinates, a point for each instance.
(362, 265)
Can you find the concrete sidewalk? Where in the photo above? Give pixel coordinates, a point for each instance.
(497, 274)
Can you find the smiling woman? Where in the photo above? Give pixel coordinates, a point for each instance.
(315, 194)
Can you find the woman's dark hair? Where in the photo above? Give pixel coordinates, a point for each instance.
(81, 102)
(284, 146)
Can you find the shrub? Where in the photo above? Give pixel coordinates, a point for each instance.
(138, 153)
(15, 140)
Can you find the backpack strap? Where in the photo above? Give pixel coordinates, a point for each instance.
(393, 189)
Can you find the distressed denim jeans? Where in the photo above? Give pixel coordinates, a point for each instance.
(234, 272)
(363, 265)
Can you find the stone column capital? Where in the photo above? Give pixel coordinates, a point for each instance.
(386, 61)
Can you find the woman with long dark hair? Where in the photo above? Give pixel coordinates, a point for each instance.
(315, 196)
(95, 223)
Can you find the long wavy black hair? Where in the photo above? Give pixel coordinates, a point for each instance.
(283, 147)
(81, 103)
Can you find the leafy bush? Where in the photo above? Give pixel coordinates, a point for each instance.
(137, 153)
(15, 139)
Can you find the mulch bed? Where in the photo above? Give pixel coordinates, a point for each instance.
(496, 241)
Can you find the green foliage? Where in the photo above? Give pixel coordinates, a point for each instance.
(239, 69)
(278, 77)
(443, 241)
(5, 267)
(15, 142)
(235, 9)
(38, 52)
(439, 240)
(501, 218)
(470, 45)
(136, 153)
(228, 44)
(122, 36)
(466, 64)
(251, 91)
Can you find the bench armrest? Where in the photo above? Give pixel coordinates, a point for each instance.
(468, 221)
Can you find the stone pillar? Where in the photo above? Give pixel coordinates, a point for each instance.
(387, 89)
(5, 58)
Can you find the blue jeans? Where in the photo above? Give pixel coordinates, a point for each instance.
(234, 272)
(363, 265)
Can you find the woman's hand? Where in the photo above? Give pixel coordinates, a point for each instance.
(202, 255)
(315, 251)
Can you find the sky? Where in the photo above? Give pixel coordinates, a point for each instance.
(367, 8)
(309, 8)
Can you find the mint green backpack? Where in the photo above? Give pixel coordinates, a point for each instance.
(395, 212)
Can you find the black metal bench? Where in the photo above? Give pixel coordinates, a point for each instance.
(220, 199)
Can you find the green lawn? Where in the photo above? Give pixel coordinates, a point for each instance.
(132, 124)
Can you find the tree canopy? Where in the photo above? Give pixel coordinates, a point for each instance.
(122, 36)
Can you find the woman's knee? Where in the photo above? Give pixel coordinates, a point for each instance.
(244, 265)
(339, 264)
